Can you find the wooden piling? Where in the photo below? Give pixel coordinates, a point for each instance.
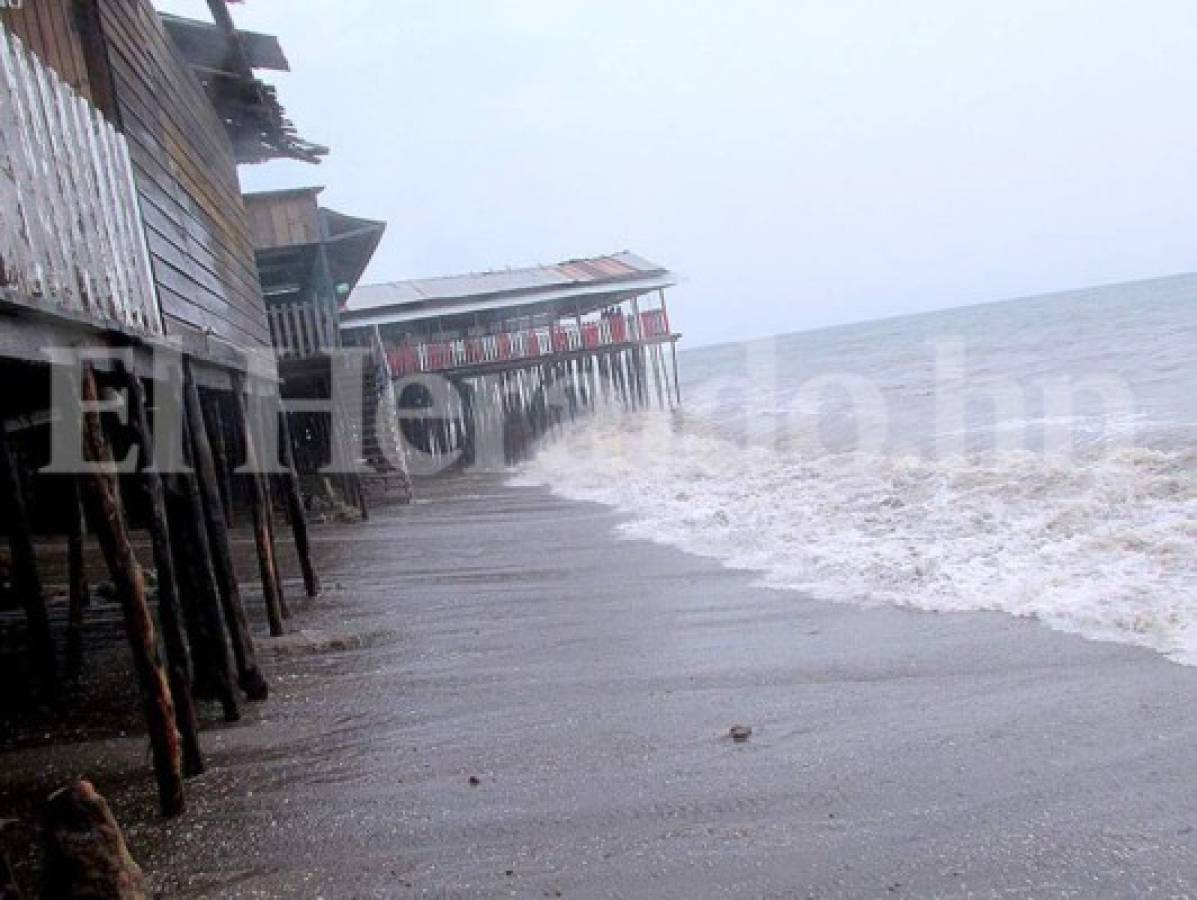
(26, 581)
(621, 379)
(77, 592)
(178, 656)
(299, 519)
(271, 589)
(268, 482)
(603, 379)
(214, 419)
(249, 674)
(677, 385)
(596, 385)
(643, 374)
(113, 534)
(658, 374)
(212, 661)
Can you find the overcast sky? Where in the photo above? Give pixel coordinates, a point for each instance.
(799, 163)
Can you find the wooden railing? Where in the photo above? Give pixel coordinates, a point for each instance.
(302, 329)
(439, 356)
(71, 235)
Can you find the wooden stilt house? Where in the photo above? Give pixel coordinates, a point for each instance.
(122, 226)
(310, 259)
(521, 348)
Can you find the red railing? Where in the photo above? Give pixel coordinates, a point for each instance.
(438, 356)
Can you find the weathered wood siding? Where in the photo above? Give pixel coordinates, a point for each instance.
(70, 235)
(51, 29)
(196, 225)
(283, 219)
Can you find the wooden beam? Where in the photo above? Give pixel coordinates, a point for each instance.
(220, 453)
(299, 521)
(268, 490)
(677, 385)
(78, 598)
(249, 675)
(213, 664)
(113, 534)
(271, 589)
(26, 581)
(178, 656)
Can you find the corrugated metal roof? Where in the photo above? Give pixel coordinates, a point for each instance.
(521, 285)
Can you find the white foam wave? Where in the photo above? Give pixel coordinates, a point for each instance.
(1102, 546)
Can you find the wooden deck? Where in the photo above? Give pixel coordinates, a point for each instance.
(531, 347)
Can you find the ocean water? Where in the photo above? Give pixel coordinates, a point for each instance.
(1036, 457)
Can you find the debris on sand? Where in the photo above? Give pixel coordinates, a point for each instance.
(86, 855)
(308, 642)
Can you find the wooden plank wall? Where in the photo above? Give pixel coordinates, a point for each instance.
(197, 228)
(50, 28)
(283, 219)
(70, 234)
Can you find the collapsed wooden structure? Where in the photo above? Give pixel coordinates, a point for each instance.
(122, 227)
(521, 348)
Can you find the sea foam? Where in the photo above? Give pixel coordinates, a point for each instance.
(1104, 545)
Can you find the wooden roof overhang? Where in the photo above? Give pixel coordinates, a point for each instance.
(289, 269)
(224, 60)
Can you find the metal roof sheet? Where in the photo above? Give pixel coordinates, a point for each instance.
(518, 285)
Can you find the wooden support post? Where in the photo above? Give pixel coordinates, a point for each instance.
(633, 375)
(271, 589)
(220, 456)
(77, 592)
(636, 356)
(213, 664)
(25, 579)
(362, 506)
(658, 374)
(621, 381)
(604, 378)
(268, 488)
(642, 364)
(169, 613)
(677, 385)
(249, 675)
(637, 376)
(299, 520)
(504, 419)
(113, 534)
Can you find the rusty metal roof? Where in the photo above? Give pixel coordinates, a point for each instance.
(446, 294)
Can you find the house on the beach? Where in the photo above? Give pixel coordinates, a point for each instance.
(310, 259)
(122, 228)
(521, 349)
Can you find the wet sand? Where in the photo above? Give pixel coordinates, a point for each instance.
(588, 684)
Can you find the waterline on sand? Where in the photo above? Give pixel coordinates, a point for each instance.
(1100, 544)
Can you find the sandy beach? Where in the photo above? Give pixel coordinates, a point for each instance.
(588, 684)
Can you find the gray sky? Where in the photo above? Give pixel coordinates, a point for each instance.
(800, 163)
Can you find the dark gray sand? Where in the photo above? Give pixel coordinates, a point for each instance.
(588, 684)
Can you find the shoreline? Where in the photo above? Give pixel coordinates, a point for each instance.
(588, 681)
